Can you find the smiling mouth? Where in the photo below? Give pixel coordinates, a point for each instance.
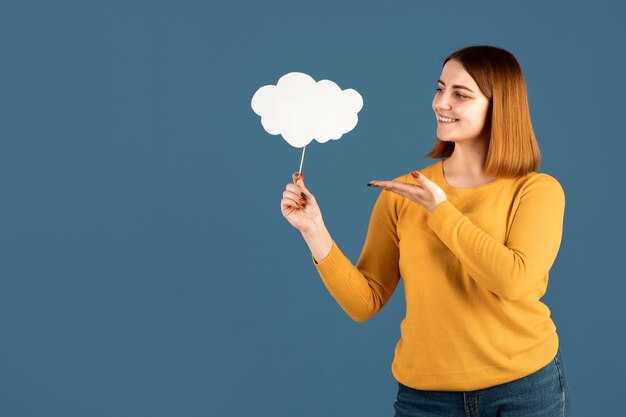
(445, 120)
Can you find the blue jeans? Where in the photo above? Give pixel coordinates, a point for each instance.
(544, 393)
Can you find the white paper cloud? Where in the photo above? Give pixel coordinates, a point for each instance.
(300, 109)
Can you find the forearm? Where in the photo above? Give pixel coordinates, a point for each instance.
(508, 271)
(358, 291)
(362, 289)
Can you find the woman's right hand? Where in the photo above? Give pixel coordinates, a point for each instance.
(299, 206)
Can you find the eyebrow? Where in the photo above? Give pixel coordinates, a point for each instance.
(456, 86)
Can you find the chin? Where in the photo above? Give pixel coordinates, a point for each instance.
(447, 139)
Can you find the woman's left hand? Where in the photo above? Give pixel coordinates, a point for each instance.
(425, 193)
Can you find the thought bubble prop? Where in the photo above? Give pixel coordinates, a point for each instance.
(301, 110)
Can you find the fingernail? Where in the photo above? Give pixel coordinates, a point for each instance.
(303, 195)
(302, 201)
(300, 206)
(371, 185)
(415, 174)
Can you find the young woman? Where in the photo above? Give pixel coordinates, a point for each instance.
(473, 237)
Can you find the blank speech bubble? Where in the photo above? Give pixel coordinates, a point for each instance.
(301, 109)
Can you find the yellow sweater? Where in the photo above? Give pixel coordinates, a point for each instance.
(473, 270)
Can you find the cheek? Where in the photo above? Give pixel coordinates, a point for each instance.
(481, 114)
(481, 119)
(477, 117)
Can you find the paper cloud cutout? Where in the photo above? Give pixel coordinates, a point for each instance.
(300, 109)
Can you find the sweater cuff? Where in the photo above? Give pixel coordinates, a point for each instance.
(330, 261)
(444, 211)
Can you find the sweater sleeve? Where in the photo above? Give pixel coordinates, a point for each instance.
(364, 289)
(514, 269)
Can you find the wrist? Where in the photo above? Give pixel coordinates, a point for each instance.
(437, 204)
(314, 232)
(319, 241)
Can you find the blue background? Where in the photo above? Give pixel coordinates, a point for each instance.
(145, 267)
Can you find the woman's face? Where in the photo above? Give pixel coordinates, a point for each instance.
(458, 97)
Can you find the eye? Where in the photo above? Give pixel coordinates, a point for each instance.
(458, 95)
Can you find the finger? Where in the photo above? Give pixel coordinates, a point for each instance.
(287, 207)
(300, 183)
(410, 191)
(381, 184)
(386, 185)
(295, 176)
(298, 190)
(301, 190)
(289, 203)
(294, 197)
(285, 203)
(418, 177)
(394, 185)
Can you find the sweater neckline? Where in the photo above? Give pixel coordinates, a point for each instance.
(442, 177)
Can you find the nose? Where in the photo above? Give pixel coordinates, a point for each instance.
(441, 103)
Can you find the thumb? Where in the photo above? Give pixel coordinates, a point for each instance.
(419, 178)
(299, 181)
(297, 176)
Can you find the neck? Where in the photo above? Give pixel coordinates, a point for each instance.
(467, 159)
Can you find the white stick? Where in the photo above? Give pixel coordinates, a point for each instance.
(301, 161)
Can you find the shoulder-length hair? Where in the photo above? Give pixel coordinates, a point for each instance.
(513, 150)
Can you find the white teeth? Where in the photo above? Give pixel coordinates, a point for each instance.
(445, 120)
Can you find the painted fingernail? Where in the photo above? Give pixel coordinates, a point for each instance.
(415, 174)
(302, 201)
(303, 195)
